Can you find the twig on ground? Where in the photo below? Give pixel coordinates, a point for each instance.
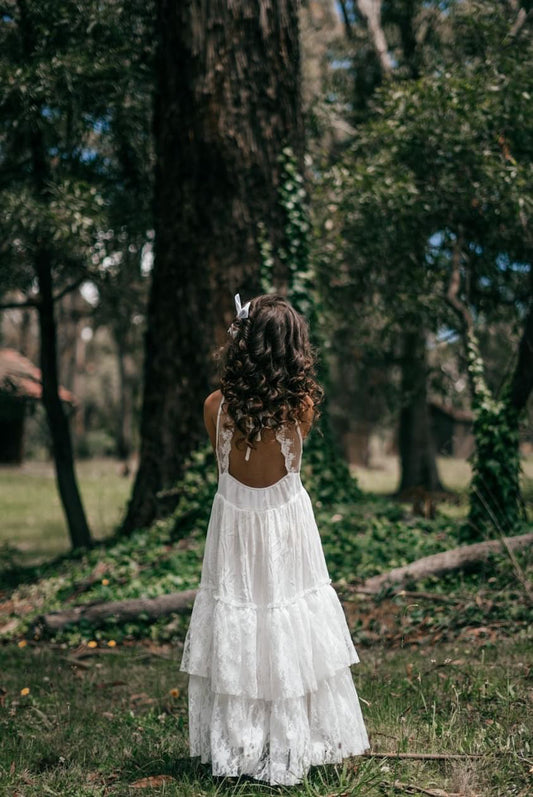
(412, 788)
(426, 756)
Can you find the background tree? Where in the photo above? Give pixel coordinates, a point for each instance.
(227, 102)
(445, 210)
(61, 66)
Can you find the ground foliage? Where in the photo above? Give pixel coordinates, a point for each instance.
(360, 540)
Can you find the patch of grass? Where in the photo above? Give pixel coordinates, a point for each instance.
(32, 517)
(97, 720)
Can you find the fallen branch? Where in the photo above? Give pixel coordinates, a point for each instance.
(426, 756)
(412, 788)
(457, 559)
(122, 611)
(96, 614)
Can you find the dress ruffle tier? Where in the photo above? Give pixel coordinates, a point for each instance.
(268, 649)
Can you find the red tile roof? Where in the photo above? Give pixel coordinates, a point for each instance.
(20, 378)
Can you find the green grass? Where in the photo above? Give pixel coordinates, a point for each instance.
(95, 725)
(444, 672)
(383, 477)
(32, 517)
(31, 513)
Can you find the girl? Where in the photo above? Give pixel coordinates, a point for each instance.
(268, 649)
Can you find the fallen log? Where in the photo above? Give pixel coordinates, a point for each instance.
(446, 562)
(96, 614)
(121, 611)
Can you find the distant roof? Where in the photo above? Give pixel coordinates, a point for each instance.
(20, 378)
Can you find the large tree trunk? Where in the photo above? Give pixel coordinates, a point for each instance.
(125, 402)
(57, 420)
(417, 449)
(227, 103)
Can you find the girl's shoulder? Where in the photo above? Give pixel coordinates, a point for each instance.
(211, 405)
(213, 400)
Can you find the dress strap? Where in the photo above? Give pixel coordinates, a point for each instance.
(224, 433)
(291, 448)
(218, 424)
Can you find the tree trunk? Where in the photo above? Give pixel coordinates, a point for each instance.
(227, 103)
(125, 402)
(80, 535)
(522, 380)
(57, 420)
(417, 449)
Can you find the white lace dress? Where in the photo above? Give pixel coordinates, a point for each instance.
(268, 650)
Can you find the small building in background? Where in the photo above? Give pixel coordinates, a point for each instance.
(20, 388)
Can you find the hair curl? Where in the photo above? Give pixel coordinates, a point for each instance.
(268, 374)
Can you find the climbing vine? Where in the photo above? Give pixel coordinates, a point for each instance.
(495, 500)
(328, 469)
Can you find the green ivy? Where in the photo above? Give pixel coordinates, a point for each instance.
(495, 499)
(325, 468)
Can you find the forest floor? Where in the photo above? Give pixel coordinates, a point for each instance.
(112, 720)
(446, 666)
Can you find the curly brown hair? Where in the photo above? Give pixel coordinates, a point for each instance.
(268, 375)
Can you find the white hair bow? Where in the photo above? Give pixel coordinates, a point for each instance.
(241, 312)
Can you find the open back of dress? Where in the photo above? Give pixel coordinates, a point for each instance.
(268, 649)
(274, 455)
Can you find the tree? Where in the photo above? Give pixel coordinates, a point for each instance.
(452, 204)
(227, 102)
(61, 65)
(386, 43)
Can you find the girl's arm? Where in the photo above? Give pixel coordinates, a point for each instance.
(211, 405)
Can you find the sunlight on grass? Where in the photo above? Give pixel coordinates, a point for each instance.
(31, 514)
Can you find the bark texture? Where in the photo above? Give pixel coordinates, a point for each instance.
(227, 102)
(58, 423)
(417, 449)
(181, 602)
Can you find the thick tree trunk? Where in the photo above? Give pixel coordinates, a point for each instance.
(57, 420)
(522, 381)
(227, 103)
(417, 448)
(181, 602)
(125, 403)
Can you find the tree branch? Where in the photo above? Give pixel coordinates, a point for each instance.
(181, 602)
(452, 295)
(33, 303)
(346, 18)
(522, 18)
(69, 288)
(370, 10)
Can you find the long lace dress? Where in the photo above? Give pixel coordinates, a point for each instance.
(268, 649)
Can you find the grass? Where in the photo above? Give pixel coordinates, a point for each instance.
(31, 513)
(32, 520)
(383, 477)
(98, 720)
(442, 672)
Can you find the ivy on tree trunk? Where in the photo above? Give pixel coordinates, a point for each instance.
(227, 101)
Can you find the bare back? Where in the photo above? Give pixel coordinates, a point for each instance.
(271, 458)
